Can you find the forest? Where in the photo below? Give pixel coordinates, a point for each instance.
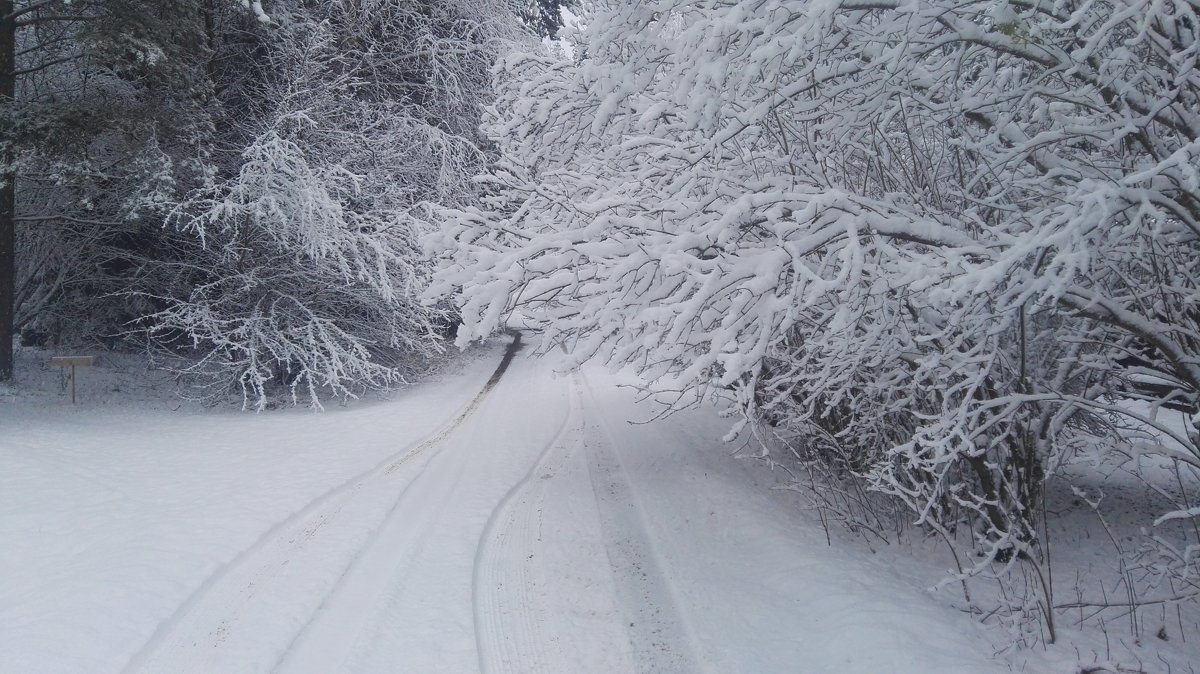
(929, 254)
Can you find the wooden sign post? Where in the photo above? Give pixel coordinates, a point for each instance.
(73, 362)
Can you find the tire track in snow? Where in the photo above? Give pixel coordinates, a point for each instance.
(343, 623)
(657, 631)
(419, 570)
(509, 614)
(335, 628)
(192, 639)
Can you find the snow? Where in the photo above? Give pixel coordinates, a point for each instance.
(525, 527)
(757, 587)
(112, 518)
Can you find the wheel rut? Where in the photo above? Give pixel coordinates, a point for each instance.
(508, 586)
(657, 632)
(238, 617)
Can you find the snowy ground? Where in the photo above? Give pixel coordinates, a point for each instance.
(516, 526)
(524, 527)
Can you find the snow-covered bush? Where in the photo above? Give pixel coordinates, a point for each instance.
(931, 243)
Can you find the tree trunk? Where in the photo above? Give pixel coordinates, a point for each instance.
(8, 254)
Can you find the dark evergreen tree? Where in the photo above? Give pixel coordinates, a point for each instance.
(543, 16)
(105, 108)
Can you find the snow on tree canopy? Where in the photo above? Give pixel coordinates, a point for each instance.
(931, 237)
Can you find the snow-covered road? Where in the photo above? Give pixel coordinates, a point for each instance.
(517, 526)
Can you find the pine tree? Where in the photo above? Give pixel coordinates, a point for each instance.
(544, 17)
(104, 104)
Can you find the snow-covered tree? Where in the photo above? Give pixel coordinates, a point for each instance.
(928, 242)
(306, 267)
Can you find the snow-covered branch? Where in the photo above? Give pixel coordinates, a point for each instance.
(945, 234)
